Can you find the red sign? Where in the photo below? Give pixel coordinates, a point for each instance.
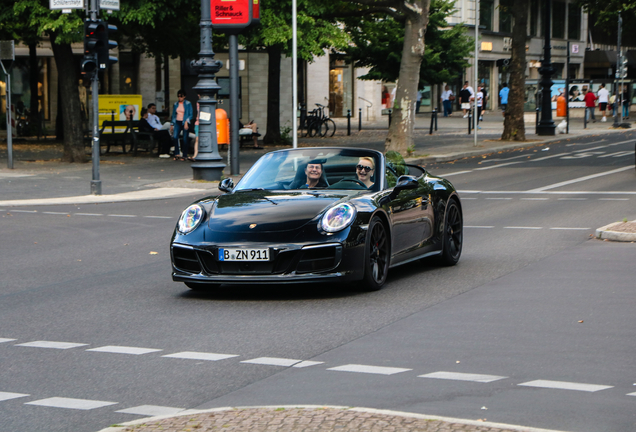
(256, 10)
(230, 13)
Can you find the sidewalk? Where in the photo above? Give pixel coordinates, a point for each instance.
(39, 178)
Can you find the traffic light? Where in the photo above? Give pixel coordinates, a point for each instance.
(92, 41)
(103, 52)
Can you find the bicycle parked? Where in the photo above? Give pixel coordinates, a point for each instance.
(317, 123)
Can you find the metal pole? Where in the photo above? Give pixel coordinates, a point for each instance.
(618, 118)
(9, 128)
(359, 119)
(475, 114)
(546, 125)
(348, 122)
(96, 183)
(209, 165)
(294, 76)
(234, 106)
(567, 91)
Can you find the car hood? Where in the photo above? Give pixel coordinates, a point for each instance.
(269, 211)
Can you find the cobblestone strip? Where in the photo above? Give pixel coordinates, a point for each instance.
(310, 419)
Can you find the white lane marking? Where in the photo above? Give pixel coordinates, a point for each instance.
(593, 148)
(50, 344)
(499, 166)
(565, 385)
(6, 340)
(572, 199)
(534, 199)
(466, 198)
(618, 154)
(88, 214)
(381, 370)
(8, 395)
(273, 361)
(499, 198)
(115, 349)
(549, 157)
(117, 215)
(479, 226)
(523, 227)
(190, 355)
(456, 173)
(584, 178)
(151, 410)
(570, 228)
(613, 199)
(70, 403)
(159, 217)
(307, 363)
(631, 394)
(56, 213)
(23, 211)
(457, 376)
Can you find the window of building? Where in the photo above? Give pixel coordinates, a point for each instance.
(574, 22)
(486, 9)
(340, 87)
(128, 76)
(533, 30)
(558, 20)
(505, 16)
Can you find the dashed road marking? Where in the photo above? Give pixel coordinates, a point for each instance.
(88, 214)
(479, 226)
(124, 216)
(70, 403)
(6, 340)
(523, 227)
(273, 361)
(562, 385)
(56, 213)
(307, 363)
(151, 410)
(380, 370)
(51, 344)
(191, 355)
(115, 349)
(8, 396)
(457, 376)
(581, 179)
(570, 228)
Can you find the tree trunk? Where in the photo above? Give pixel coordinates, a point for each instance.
(71, 111)
(400, 136)
(514, 126)
(273, 96)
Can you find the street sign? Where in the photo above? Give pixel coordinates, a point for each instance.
(66, 4)
(575, 49)
(230, 15)
(109, 4)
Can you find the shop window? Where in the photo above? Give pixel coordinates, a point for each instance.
(340, 88)
(558, 20)
(21, 88)
(574, 22)
(128, 76)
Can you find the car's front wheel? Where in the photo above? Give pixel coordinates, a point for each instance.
(377, 255)
(453, 234)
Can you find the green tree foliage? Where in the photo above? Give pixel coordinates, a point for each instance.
(377, 44)
(603, 19)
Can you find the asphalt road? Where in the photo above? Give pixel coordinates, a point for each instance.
(533, 326)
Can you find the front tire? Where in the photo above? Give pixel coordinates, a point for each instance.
(376, 257)
(453, 238)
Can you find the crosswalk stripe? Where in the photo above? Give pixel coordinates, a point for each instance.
(2, 340)
(123, 350)
(273, 361)
(151, 410)
(463, 377)
(381, 370)
(70, 403)
(8, 395)
(50, 344)
(562, 385)
(190, 355)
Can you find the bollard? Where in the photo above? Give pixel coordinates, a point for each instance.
(470, 120)
(585, 119)
(389, 118)
(433, 113)
(436, 111)
(360, 119)
(348, 122)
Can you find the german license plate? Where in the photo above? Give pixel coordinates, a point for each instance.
(243, 254)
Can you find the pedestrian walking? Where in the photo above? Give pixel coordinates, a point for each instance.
(447, 99)
(503, 99)
(603, 100)
(590, 102)
(464, 99)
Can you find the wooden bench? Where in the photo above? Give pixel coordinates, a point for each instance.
(111, 134)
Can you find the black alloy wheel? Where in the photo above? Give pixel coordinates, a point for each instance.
(378, 252)
(453, 234)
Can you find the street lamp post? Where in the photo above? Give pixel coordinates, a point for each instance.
(546, 126)
(209, 165)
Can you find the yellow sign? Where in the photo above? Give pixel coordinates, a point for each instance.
(119, 108)
(486, 46)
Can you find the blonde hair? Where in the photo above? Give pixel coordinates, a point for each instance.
(370, 159)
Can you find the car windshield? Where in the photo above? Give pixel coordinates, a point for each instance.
(315, 168)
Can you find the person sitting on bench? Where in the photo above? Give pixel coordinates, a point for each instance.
(254, 128)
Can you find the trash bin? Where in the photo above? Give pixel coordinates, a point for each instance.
(222, 127)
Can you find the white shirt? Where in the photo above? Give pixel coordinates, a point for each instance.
(603, 95)
(470, 89)
(154, 121)
(480, 98)
(446, 94)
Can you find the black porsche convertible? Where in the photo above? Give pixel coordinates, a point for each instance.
(318, 214)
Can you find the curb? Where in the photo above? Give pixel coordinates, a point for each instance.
(606, 233)
(482, 424)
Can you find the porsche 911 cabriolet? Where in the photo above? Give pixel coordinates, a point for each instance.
(318, 214)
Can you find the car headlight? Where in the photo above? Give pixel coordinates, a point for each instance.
(338, 218)
(190, 218)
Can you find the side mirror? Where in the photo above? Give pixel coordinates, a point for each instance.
(226, 185)
(404, 182)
